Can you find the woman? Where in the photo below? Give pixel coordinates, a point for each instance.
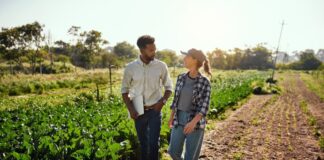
(189, 107)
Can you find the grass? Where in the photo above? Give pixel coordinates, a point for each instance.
(238, 155)
(321, 143)
(312, 122)
(315, 83)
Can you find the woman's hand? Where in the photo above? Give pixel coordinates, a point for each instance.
(189, 127)
(170, 122)
(192, 124)
(171, 119)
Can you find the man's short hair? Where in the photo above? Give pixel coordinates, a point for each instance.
(144, 40)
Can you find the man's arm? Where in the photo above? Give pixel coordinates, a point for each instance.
(159, 105)
(126, 83)
(166, 95)
(130, 106)
(167, 83)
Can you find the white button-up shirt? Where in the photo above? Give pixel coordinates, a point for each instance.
(146, 80)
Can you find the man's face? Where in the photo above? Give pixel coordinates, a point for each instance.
(149, 51)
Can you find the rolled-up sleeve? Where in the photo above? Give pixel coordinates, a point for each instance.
(173, 102)
(126, 83)
(175, 99)
(205, 99)
(166, 80)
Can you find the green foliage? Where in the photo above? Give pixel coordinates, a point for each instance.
(80, 127)
(66, 83)
(307, 61)
(107, 59)
(88, 45)
(321, 142)
(3, 90)
(72, 130)
(258, 57)
(125, 51)
(227, 91)
(37, 87)
(167, 56)
(27, 88)
(17, 42)
(14, 91)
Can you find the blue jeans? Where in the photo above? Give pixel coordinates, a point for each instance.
(148, 128)
(178, 138)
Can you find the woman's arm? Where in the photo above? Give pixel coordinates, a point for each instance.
(205, 101)
(192, 124)
(171, 118)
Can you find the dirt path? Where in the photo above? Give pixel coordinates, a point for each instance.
(270, 127)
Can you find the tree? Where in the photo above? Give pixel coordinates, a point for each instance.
(167, 56)
(238, 53)
(11, 46)
(36, 56)
(261, 57)
(18, 41)
(93, 43)
(87, 46)
(64, 59)
(33, 37)
(230, 61)
(217, 58)
(62, 47)
(258, 57)
(108, 58)
(308, 61)
(125, 51)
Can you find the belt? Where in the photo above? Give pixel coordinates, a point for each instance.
(148, 107)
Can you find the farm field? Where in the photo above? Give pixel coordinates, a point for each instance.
(285, 126)
(77, 116)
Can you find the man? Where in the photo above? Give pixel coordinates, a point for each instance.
(145, 77)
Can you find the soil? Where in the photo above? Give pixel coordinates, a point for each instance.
(270, 126)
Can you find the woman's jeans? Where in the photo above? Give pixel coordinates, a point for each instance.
(193, 140)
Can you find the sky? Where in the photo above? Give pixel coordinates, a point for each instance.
(179, 24)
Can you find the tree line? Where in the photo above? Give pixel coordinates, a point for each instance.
(28, 49)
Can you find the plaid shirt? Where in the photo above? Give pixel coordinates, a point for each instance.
(200, 98)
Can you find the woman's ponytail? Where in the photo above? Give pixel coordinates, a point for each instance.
(207, 67)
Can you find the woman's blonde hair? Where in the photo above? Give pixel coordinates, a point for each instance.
(201, 59)
(206, 66)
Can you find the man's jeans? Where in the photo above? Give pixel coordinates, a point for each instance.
(193, 140)
(148, 128)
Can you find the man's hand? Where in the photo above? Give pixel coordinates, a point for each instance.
(130, 107)
(158, 106)
(133, 114)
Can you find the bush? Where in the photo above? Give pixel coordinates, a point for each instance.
(39, 88)
(50, 85)
(66, 84)
(27, 88)
(3, 90)
(47, 69)
(84, 98)
(14, 91)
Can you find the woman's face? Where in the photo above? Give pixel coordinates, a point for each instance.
(189, 62)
